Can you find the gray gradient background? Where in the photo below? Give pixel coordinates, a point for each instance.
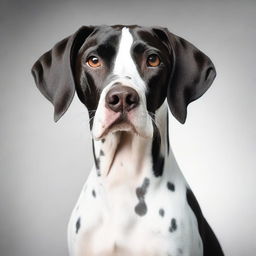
(43, 165)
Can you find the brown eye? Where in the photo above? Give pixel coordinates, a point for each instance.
(94, 62)
(153, 60)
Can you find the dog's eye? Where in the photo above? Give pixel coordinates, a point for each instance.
(94, 62)
(153, 60)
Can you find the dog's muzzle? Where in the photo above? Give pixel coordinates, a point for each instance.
(122, 108)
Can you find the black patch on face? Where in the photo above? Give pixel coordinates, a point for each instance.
(141, 207)
(102, 153)
(147, 42)
(107, 50)
(90, 82)
(171, 186)
(173, 226)
(103, 140)
(93, 193)
(161, 212)
(78, 224)
(158, 159)
(92, 97)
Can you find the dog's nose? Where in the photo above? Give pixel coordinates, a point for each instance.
(122, 99)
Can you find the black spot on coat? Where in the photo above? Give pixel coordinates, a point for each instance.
(170, 186)
(210, 243)
(158, 159)
(78, 224)
(173, 226)
(96, 160)
(161, 212)
(141, 207)
(180, 251)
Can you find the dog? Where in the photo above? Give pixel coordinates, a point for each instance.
(135, 201)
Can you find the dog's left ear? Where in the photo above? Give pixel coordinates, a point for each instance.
(192, 74)
(53, 71)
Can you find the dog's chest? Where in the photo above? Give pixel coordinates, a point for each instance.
(143, 219)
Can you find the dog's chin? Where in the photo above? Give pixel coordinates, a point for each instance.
(125, 126)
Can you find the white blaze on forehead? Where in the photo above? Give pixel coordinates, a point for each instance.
(124, 63)
(125, 72)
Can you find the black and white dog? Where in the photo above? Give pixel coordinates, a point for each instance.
(136, 201)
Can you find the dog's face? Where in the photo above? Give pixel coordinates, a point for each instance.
(122, 77)
(123, 74)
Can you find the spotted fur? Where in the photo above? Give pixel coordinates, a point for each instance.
(135, 200)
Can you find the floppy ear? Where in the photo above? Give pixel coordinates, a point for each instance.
(193, 73)
(54, 71)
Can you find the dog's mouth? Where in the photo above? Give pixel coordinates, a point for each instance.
(136, 122)
(121, 123)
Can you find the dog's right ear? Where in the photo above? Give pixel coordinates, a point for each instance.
(54, 71)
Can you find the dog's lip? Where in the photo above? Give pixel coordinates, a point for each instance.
(122, 122)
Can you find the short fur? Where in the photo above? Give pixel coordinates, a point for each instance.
(135, 200)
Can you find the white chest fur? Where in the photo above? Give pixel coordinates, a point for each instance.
(150, 217)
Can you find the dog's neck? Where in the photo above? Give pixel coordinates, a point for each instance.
(124, 156)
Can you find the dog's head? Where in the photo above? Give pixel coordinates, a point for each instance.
(123, 74)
